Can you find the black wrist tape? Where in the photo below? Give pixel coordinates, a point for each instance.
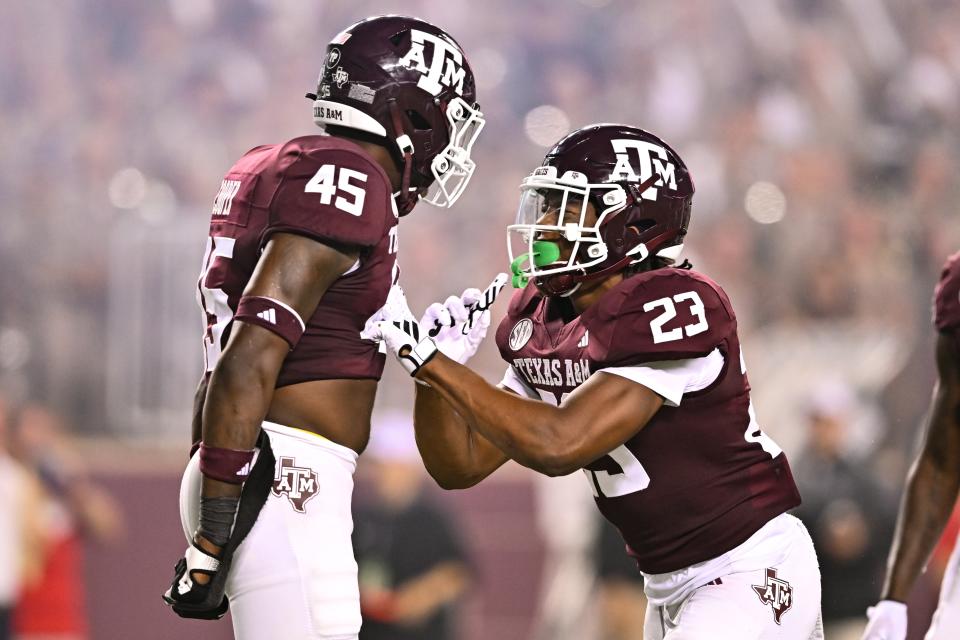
(216, 518)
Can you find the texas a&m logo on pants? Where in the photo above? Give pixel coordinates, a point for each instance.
(775, 592)
(298, 483)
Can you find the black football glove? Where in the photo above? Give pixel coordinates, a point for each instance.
(190, 599)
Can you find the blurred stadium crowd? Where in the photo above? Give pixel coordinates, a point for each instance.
(822, 137)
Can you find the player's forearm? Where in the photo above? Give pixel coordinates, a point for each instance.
(442, 438)
(450, 449)
(924, 512)
(238, 397)
(196, 426)
(932, 485)
(527, 431)
(237, 401)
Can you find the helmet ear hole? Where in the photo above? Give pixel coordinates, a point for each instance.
(418, 121)
(642, 225)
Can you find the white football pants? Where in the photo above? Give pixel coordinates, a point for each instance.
(294, 576)
(744, 605)
(946, 621)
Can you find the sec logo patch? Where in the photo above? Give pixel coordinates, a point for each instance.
(520, 334)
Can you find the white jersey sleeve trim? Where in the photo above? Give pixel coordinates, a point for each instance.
(356, 265)
(671, 379)
(512, 381)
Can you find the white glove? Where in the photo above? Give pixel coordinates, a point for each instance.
(401, 338)
(394, 310)
(460, 324)
(888, 621)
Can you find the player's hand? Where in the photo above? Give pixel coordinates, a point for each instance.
(460, 324)
(197, 589)
(394, 310)
(405, 341)
(888, 621)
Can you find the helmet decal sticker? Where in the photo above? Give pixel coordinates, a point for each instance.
(651, 157)
(333, 57)
(446, 63)
(341, 77)
(362, 93)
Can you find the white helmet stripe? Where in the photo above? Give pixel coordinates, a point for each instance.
(328, 112)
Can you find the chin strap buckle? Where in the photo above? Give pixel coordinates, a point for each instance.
(405, 144)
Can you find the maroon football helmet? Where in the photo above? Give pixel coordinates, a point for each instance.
(641, 192)
(408, 81)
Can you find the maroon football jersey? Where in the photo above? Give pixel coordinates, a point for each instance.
(700, 478)
(946, 297)
(324, 188)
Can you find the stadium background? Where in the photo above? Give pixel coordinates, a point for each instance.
(822, 137)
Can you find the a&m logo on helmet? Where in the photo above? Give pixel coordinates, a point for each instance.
(299, 484)
(650, 158)
(445, 67)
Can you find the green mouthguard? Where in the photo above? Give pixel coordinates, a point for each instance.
(544, 253)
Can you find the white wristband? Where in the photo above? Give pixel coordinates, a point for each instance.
(420, 355)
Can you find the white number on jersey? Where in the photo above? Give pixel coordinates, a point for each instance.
(670, 312)
(329, 179)
(633, 478)
(614, 485)
(214, 301)
(394, 242)
(753, 432)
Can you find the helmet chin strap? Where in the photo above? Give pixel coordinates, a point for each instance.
(563, 284)
(558, 284)
(406, 203)
(616, 267)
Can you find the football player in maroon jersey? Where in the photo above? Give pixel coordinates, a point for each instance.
(300, 259)
(932, 486)
(627, 367)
